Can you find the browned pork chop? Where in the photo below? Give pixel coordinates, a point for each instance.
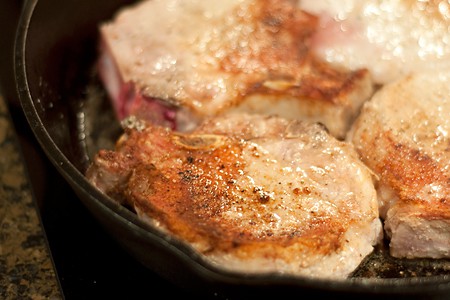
(252, 193)
(175, 62)
(402, 134)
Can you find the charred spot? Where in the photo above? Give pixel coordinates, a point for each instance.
(190, 160)
(398, 146)
(293, 234)
(187, 176)
(263, 196)
(305, 190)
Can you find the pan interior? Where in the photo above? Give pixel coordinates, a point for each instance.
(74, 109)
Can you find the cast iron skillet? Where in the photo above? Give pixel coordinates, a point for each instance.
(66, 107)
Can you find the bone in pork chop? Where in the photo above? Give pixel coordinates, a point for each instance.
(391, 38)
(175, 62)
(402, 134)
(252, 193)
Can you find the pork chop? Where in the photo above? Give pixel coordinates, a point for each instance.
(175, 62)
(391, 38)
(402, 134)
(252, 193)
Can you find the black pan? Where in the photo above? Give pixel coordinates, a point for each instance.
(68, 111)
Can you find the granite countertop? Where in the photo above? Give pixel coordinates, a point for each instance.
(26, 268)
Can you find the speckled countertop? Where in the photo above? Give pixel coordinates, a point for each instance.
(26, 268)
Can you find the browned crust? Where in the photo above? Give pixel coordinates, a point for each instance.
(190, 198)
(278, 50)
(278, 42)
(407, 171)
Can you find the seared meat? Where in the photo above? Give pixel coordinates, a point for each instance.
(402, 134)
(175, 62)
(391, 38)
(251, 193)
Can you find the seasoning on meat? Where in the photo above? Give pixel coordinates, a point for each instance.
(176, 62)
(252, 193)
(402, 134)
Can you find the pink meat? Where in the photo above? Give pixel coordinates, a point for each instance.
(127, 100)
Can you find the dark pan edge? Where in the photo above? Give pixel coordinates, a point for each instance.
(113, 216)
